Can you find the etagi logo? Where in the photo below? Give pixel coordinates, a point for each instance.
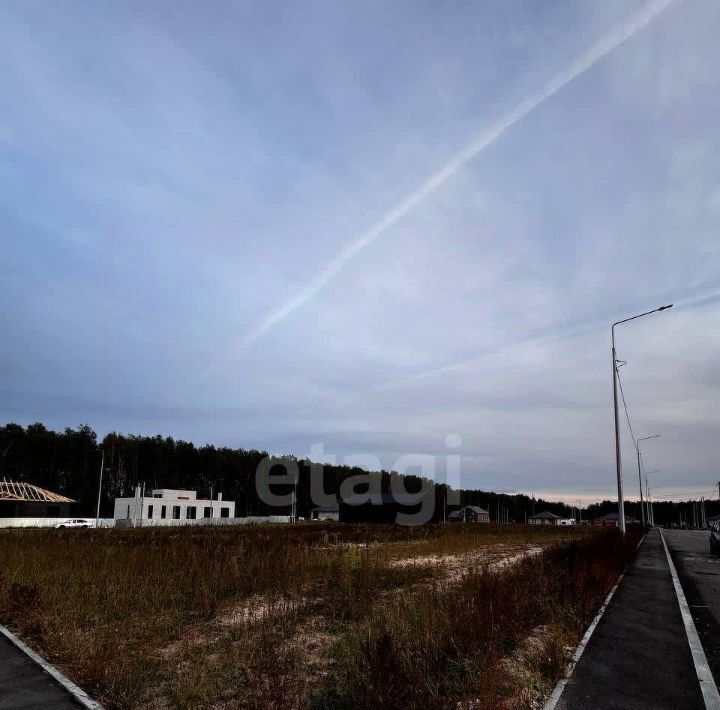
(361, 494)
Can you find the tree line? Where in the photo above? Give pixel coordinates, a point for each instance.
(68, 462)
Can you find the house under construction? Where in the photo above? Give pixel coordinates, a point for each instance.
(23, 500)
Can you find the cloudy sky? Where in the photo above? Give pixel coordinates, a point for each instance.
(369, 225)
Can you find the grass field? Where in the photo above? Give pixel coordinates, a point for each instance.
(309, 616)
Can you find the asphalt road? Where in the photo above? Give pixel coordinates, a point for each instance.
(699, 573)
(26, 686)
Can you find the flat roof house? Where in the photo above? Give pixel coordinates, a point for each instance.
(611, 520)
(326, 512)
(469, 514)
(386, 508)
(167, 506)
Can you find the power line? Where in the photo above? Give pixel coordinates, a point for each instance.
(684, 496)
(627, 416)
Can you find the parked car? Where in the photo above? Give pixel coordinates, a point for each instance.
(715, 537)
(76, 523)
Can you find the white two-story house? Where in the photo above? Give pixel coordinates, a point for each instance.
(166, 506)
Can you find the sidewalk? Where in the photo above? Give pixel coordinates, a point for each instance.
(638, 656)
(26, 686)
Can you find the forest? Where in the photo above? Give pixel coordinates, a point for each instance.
(68, 462)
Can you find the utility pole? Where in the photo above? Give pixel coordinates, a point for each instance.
(97, 512)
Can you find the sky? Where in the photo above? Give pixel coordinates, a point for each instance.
(358, 229)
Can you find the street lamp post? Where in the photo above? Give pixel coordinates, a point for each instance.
(651, 512)
(618, 457)
(97, 513)
(637, 446)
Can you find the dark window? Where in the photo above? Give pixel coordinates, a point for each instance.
(176, 512)
(224, 512)
(128, 513)
(150, 511)
(191, 512)
(163, 512)
(207, 513)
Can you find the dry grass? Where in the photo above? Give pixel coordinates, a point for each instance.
(302, 616)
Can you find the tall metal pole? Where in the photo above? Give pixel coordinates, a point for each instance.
(642, 506)
(618, 456)
(294, 505)
(639, 455)
(142, 503)
(97, 512)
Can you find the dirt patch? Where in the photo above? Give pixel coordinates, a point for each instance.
(313, 639)
(258, 608)
(455, 566)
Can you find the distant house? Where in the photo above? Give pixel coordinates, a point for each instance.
(544, 518)
(611, 520)
(326, 512)
(469, 514)
(385, 507)
(167, 506)
(23, 500)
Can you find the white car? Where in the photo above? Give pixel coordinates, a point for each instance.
(76, 523)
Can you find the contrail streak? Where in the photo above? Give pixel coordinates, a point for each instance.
(603, 47)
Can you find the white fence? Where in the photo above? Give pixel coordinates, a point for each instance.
(111, 522)
(201, 522)
(49, 522)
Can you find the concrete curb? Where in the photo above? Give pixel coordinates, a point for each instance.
(552, 701)
(79, 695)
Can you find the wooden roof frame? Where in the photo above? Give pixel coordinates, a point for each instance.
(27, 493)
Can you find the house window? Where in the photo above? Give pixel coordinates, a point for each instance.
(176, 512)
(150, 511)
(224, 512)
(163, 512)
(128, 513)
(191, 513)
(207, 512)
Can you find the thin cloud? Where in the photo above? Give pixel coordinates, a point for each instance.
(691, 302)
(603, 47)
